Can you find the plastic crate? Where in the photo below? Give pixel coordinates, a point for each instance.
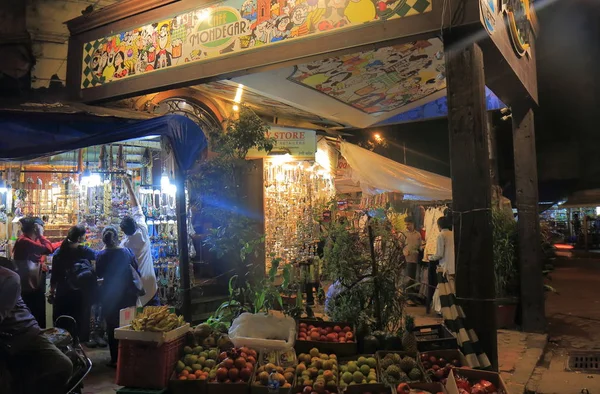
(434, 337)
(145, 365)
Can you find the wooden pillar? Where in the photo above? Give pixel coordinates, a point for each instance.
(471, 187)
(492, 149)
(184, 254)
(530, 252)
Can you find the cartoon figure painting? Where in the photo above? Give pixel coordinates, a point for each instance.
(378, 81)
(228, 27)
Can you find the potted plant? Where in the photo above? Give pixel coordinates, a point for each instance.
(505, 267)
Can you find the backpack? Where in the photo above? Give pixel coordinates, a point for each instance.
(81, 275)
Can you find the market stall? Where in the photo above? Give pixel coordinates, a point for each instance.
(68, 165)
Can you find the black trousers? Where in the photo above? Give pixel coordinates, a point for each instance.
(35, 365)
(36, 302)
(310, 297)
(112, 322)
(78, 305)
(432, 281)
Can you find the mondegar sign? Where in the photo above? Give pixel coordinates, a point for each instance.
(299, 143)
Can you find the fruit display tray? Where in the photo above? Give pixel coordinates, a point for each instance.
(417, 356)
(340, 349)
(362, 387)
(373, 388)
(475, 375)
(449, 355)
(433, 388)
(126, 333)
(265, 390)
(434, 337)
(177, 386)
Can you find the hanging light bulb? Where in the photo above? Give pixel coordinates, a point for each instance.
(86, 175)
(164, 180)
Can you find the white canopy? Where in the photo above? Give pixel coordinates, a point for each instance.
(377, 174)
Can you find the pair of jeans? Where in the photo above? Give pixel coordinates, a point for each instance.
(432, 283)
(37, 366)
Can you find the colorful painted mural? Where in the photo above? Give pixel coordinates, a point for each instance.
(230, 26)
(258, 102)
(381, 80)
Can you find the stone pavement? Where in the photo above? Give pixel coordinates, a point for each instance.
(573, 325)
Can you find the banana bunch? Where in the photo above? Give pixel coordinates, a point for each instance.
(158, 319)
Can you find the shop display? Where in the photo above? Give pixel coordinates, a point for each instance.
(335, 334)
(197, 364)
(317, 372)
(296, 194)
(437, 367)
(235, 366)
(359, 371)
(271, 373)
(399, 367)
(156, 318)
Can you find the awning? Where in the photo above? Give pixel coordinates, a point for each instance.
(377, 174)
(34, 130)
(583, 199)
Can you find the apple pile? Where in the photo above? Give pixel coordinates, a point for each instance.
(475, 387)
(235, 366)
(335, 334)
(317, 372)
(284, 376)
(438, 368)
(198, 363)
(404, 388)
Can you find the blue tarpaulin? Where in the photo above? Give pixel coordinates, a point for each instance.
(28, 135)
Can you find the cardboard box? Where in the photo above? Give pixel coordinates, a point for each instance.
(474, 376)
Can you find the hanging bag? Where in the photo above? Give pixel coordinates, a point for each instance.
(29, 272)
(137, 285)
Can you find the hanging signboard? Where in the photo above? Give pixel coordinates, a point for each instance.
(224, 28)
(299, 143)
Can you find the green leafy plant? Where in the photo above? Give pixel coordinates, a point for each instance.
(368, 293)
(505, 253)
(218, 192)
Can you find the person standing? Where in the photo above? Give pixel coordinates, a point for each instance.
(114, 264)
(33, 362)
(72, 299)
(445, 251)
(32, 246)
(138, 240)
(414, 244)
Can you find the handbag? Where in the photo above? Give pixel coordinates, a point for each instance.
(136, 278)
(29, 272)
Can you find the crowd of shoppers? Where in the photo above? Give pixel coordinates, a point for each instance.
(81, 278)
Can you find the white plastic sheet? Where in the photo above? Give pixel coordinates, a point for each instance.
(377, 174)
(263, 332)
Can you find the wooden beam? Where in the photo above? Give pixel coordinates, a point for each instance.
(471, 187)
(182, 240)
(526, 181)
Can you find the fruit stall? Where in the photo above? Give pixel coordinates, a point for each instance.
(322, 358)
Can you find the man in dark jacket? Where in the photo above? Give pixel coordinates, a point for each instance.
(34, 364)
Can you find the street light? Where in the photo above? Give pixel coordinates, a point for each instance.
(378, 137)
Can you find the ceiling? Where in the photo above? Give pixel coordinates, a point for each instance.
(354, 90)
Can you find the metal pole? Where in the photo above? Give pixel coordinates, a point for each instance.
(182, 239)
(404, 148)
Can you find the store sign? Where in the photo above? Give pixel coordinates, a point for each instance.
(515, 15)
(225, 28)
(299, 143)
(518, 15)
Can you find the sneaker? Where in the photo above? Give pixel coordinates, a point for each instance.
(101, 342)
(91, 343)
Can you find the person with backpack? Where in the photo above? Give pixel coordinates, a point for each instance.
(121, 286)
(30, 248)
(73, 280)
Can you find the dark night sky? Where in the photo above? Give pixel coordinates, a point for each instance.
(567, 131)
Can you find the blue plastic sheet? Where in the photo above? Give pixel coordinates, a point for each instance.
(27, 135)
